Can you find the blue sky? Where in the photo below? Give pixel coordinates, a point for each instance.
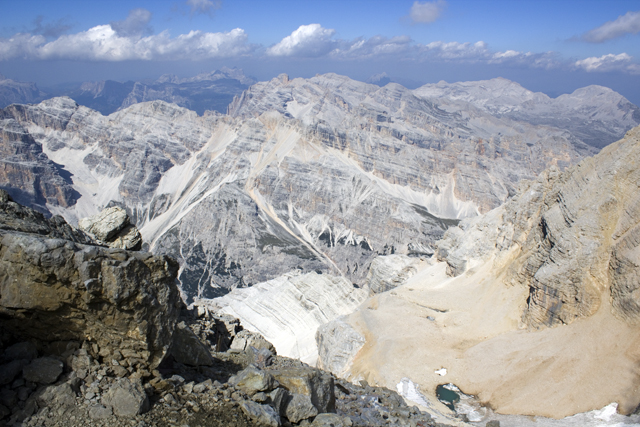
(549, 46)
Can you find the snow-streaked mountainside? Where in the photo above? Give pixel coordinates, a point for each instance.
(595, 114)
(320, 174)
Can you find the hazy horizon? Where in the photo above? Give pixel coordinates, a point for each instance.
(549, 47)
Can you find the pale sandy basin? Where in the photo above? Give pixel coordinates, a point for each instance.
(477, 335)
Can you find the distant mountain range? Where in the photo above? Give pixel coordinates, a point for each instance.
(320, 174)
(208, 91)
(596, 114)
(14, 92)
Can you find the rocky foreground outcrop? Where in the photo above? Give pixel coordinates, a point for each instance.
(56, 285)
(98, 336)
(486, 311)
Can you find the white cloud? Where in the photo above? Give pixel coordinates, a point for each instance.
(609, 62)
(455, 50)
(136, 24)
(307, 41)
(374, 46)
(20, 46)
(626, 24)
(204, 7)
(315, 41)
(426, 12)
(103, 43)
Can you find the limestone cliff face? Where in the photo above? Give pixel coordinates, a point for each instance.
(570, 237)
(28, 173)
(322, 174)
(423, 144)
(54, 286)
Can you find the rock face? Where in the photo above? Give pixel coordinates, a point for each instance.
(387, 272)
(322, 174)
(56, 289)
(25, 171)
(338, 343)
(562, 251)
(574, 232)
(15, 217)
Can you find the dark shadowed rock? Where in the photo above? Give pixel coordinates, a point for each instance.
(16, 217)
(299, 407)
(10, 370)
(26, 350)
(44, 370)
(188, 349)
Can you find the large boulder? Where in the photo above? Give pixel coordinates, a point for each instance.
(44, 370)
(126, 398)
(299, 407)
(313, 383)
(261, 415)
(252, 380)
(113, 228)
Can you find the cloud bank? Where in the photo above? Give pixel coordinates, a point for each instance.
(136, 24)
(104, 43)
(133, 39)
(625, 24)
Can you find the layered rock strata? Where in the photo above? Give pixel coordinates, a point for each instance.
(288, 310)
